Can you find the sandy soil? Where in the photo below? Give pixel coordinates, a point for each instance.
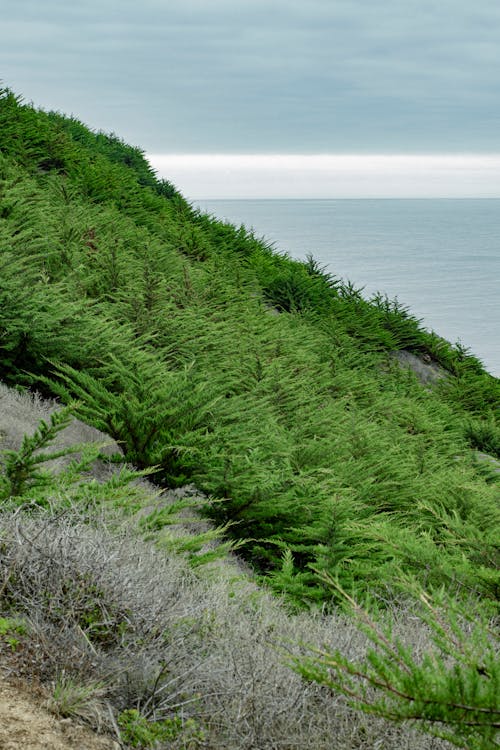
(26, 725)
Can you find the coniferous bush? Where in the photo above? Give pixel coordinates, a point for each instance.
(450, 690)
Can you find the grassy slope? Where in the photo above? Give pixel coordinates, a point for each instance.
(312, 443)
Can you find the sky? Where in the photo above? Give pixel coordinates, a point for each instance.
(284, 81)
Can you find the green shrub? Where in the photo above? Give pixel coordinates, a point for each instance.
(10, 629)
(484, 435)
(140, 732)
(20, 469)
(451, 691)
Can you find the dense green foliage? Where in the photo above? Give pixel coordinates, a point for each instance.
(263, 380)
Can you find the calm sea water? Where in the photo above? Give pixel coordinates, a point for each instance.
(440, 257)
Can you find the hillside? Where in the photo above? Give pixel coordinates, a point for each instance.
(299, 425)
(271, 387)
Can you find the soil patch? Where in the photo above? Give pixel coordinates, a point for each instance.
(25, 724)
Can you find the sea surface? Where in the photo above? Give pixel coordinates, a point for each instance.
(439, 257)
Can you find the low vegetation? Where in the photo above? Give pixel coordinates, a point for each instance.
(271, 387)
(155, 651)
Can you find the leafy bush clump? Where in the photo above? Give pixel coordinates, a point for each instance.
(10, 630)
(137, 731)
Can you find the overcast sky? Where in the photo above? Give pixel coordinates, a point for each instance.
(265, 76)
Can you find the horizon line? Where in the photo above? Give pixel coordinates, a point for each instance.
(336, 154)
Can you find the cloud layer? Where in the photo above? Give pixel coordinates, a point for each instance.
(259, 76)
(201, 176)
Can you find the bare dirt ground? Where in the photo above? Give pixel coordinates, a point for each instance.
(26, 725)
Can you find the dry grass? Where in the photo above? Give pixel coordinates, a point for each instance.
(107, 608)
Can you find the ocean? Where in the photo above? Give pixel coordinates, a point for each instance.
(439, 257)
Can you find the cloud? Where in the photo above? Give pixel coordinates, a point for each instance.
(206, 176)
(254, 75)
